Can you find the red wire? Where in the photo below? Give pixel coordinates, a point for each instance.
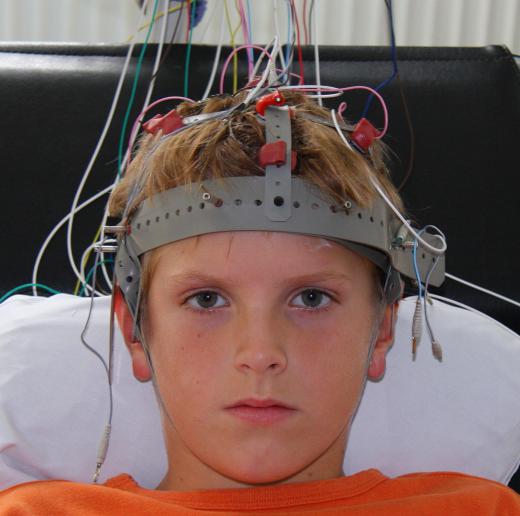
(305, 31)
(189, 20)
(300, 57)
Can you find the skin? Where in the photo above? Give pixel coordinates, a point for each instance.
(281, 316)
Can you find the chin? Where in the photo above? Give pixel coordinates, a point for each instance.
(260, 472)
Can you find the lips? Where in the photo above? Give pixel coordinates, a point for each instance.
(263, 412)
(259, 403)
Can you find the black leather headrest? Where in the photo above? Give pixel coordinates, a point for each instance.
(464, 106)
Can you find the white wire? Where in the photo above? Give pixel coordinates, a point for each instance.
(482, 289)
(56, 228)
(438, 251)
(434, 250)
(261, 58)
(98, 147)
(337, 93)
(133, 136)
(208, 18)
(162, 37)
(265, 74)
(217, 56)
(108, 241)
(316, 52)
(474, 310)
(345, 141)
(277, 30)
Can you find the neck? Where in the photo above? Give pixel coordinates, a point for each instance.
(188, 473)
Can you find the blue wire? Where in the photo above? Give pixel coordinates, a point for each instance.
(188, 50)
(27, 285)
(416, 269)
(289, 43)
(90, 272)
(394, 59)
(250, 52)
(134, 88)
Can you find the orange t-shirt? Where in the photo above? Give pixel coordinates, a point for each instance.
(366, 493)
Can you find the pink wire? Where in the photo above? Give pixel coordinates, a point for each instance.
(139, 119)
(332, 89)
(297, 75)
(381, 101)
(227, 61)
(342, 108)
(247, 39)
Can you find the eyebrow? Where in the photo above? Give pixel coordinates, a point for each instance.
(316, 277)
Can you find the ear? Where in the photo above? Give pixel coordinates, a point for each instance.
(139, 362)
(385, 339)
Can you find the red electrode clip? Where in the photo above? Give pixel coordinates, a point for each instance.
(274, 154)
(364, 134)
(166, 123)
(273, 99)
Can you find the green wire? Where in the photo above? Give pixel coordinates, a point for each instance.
(134, 89)
(188, 50)
(90, 272)
(27, 285)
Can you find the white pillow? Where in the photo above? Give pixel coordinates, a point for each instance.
(460, 415)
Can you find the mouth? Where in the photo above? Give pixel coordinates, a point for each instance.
(263, 412)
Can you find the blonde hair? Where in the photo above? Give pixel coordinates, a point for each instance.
(228, 147)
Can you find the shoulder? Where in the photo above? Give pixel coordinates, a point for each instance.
(45, 496)
(452, 490)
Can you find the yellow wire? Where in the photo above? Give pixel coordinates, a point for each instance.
(158, 17)
(232, 38)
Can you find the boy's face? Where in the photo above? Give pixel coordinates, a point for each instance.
(249, 315)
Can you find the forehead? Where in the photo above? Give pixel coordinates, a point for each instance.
(258, 252)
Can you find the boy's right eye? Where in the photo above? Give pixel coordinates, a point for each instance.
(206, 300)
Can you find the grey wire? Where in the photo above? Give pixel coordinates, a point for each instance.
(426, 284)
(90, 348)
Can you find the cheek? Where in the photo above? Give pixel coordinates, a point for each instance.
(187, 359)
(333, 362)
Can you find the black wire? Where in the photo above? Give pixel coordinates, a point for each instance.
(395, 70)
(411, 155)
(170, 44)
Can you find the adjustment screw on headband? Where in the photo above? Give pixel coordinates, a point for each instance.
(206, 196)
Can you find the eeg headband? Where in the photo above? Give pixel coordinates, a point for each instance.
(277, 202)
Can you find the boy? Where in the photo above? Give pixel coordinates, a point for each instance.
(258, 336)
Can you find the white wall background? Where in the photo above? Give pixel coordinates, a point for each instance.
(346, 22)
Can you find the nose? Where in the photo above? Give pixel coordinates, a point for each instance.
(261, 346)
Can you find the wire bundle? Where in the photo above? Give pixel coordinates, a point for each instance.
(277, 61)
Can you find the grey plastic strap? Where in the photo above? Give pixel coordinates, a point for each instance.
(182, 212)
(277, 197)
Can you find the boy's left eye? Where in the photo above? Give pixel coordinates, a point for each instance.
(312, 298)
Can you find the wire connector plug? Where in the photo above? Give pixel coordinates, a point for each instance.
(416, 326)
(102, 452)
